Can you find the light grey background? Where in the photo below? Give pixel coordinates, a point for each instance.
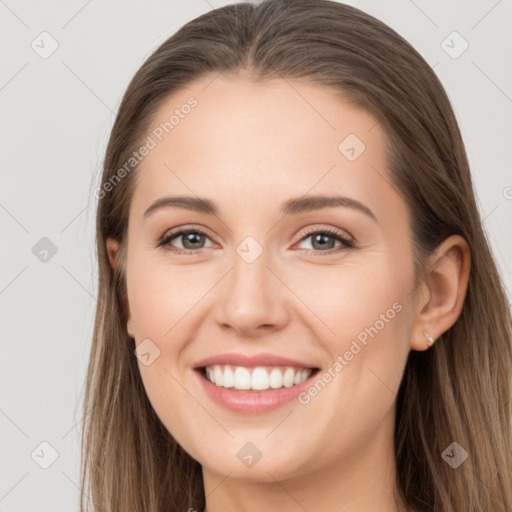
(56, 117)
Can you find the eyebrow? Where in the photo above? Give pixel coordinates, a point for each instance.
(290, 207)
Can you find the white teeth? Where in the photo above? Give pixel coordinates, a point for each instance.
(288, 377)
(276, 378)
(219, 376)
(229, 379)
(242, 378)
(261, 378)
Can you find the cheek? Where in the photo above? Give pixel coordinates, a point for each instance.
(365, 320)
(352, 297)
(369, 315)
(160, 295)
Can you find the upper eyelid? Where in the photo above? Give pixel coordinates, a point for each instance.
(177, 232)
(206, 231)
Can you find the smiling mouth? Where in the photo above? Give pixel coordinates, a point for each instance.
(257, 378)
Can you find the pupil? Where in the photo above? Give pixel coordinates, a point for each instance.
(321, 240)
(192, 238)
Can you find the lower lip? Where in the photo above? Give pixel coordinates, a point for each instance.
(252, 402)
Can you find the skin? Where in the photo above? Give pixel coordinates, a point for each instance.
(250, 147)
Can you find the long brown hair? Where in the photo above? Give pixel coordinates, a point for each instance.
(457, 391)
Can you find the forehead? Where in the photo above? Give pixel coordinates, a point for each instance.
(249, 144)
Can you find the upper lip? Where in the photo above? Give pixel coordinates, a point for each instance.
(254, 360)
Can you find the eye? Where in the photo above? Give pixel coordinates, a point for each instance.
(323, 240)
(192, 240)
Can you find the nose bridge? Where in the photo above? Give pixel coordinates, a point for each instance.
(251, 294)
(250, 272)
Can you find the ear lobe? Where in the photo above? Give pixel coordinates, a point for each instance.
(443, 291)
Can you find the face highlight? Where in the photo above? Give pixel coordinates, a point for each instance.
(296, 245)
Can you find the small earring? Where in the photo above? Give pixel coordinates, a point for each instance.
(430, 341)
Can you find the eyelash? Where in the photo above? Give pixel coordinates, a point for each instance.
(347, 243)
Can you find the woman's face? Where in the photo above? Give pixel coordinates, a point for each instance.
(321, 285)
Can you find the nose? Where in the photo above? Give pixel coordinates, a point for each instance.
(253, 300)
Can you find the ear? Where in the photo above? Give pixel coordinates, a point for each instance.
(113, 256)
(442, 293)
(112, 250)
